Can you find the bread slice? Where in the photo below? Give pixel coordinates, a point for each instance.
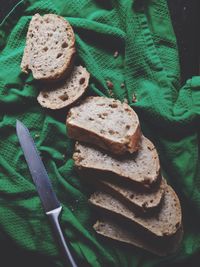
(105, 122)
(50, 47)
(67, 92)
(139, 200)
(164, 224)
(141, 168)
(113, 230)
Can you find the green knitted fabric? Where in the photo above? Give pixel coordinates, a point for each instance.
(148, 65)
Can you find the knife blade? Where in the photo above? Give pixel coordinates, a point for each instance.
(37, 169)
(51, 205)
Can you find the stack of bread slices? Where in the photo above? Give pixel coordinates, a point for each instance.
(134, 202)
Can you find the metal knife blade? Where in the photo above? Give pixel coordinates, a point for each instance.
(48, 198)
(37, 169)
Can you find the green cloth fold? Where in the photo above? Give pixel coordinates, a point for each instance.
(148, 65)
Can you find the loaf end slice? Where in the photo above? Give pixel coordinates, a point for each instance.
(50, 47)
(105, 122)
(117, 232)
(141, 168)
(163, 224)
(67, 92)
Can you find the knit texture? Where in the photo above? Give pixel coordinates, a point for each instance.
(145, 70)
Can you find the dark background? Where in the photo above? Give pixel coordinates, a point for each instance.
(185, 16)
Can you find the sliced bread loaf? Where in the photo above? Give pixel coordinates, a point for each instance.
(164, 224)
(50, 47)
(67, 92)
(105, 122)
(115, 231)
(140, 200)
(141, 168)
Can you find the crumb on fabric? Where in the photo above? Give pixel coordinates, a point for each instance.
(111, 93)
(110, 87)
(109, 84)
(116, 54)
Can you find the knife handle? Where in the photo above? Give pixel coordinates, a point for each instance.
(53, 216)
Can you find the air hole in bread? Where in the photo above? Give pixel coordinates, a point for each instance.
(128, 127)
(101, 105)
(82, 80)
(91, 119)
(64, 97)
(113, 105)
(101, 116)
(45, 95)
(177, 225)
(64, 45)
(45, 48)
(59, 55)
(111, 132)
(132, 196)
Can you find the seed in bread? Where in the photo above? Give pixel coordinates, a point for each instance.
(50, 47)
(142, 168)
(105, 122)
(164, 224)
(65, 93)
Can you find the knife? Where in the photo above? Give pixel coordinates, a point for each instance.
(40, 177)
